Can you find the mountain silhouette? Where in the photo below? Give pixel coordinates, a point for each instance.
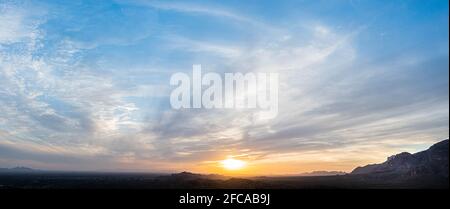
(17, 170)
(431, 162)
(427, 169)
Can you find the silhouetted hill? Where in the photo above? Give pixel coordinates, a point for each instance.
(433, 161)
(426, 169)
(16, 170)
(189, 176)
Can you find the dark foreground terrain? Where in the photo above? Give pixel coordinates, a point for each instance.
(426, 169)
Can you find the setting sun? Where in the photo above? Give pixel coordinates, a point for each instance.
(232, 164)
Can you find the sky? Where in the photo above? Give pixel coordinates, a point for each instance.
(84, 85)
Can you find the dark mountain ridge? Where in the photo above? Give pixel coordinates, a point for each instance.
(431, 162)
(17, 170)
(426, 169)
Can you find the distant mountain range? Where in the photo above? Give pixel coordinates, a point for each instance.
(16, 170)
(426, 169)
(323, 173)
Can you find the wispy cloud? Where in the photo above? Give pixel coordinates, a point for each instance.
(205, 10)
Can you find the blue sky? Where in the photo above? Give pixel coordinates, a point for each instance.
(84, 85)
